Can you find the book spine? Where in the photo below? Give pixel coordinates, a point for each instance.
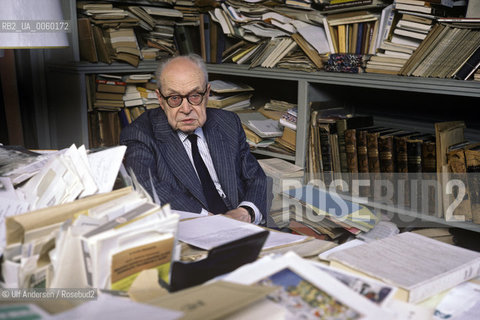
(123, 118)
(372, 152)
(362, 156)
(362, 151)
(469, 66)
(465, 273)
(86, 40)
(429, 160)
(385, 150)
(341, 127)
(349, 4)
(414, 156)
(351, 150)
(401, 158)
(326, 151)
(472, 158)
(456, 163)
(206, 30)
(111, 82)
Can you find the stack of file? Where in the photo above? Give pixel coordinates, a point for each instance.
(66, 228)
(229, 95)
(59, 177)
(112, 238)
(281, 172)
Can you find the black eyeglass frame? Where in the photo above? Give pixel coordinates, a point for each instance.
(202, 94)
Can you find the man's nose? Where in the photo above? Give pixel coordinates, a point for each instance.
(186, 107)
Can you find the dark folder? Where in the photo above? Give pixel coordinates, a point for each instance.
(220, 260)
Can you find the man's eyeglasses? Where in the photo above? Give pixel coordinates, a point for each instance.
(175, 101)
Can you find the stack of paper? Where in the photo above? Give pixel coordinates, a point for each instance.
(229, 95)
(281, 171)
(103, 241)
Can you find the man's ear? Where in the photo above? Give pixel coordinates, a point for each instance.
(207, 93)
(160, 99)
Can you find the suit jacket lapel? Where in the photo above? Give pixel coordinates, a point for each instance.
(176, 157)
(223, 159)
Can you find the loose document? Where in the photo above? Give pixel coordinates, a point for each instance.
(213, 231)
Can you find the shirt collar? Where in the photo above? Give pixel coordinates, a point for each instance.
(199, 132)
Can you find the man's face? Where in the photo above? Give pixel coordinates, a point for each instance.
(181, 77)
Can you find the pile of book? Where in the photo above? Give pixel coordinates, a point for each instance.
(229, 95)
(422, 43)
(114, 101)
(260, 130)
(259, 36)
(126, 33)
(449, 51)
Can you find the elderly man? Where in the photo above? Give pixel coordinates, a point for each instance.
(194, 158)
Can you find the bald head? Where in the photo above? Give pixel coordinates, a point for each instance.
(194, 59)
(183, 91)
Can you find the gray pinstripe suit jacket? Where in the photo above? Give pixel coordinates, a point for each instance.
(153, 145)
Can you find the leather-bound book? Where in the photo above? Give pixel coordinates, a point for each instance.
(414, 152)
(351, 150)
(354, 122)
(400, 151)
(325, 129)
(429, 160)
(373, 150)
(362, 156)
(385, 153)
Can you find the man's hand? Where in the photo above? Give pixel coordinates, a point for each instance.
(240, 214)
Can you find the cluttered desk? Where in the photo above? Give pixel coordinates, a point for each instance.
(118, 254)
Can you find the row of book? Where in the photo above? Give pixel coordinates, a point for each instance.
(343, 147)
(420, 42)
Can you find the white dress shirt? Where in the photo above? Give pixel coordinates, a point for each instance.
(207, 159)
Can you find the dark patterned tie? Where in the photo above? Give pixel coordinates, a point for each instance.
(215, 202)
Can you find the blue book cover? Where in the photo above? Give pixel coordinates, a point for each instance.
(123, 118)
(330, 203)
(358, 48)
(206, 30)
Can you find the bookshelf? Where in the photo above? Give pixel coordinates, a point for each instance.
(310, 86)
(68, 103)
